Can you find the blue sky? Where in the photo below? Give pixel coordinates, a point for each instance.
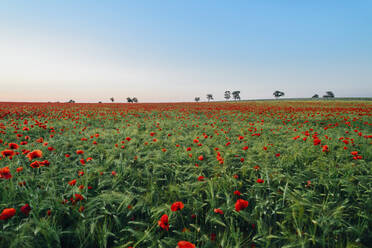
(176, 50)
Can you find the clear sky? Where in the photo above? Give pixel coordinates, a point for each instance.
(175, 50)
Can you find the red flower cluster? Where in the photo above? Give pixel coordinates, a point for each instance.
(163, 222)
(241, 204)
(7, 213)
(5, 173)
(177, 206)
(185, 244)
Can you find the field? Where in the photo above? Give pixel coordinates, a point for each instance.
(249, 174)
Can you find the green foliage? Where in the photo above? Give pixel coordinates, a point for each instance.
(140, 165)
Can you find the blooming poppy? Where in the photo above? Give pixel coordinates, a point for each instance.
(35, 164)
(34, 154)
(259, 180)
(72, 182)
(26, 209)
(163, 222)
(79, 152)
(218, 211)
(241, 204)
(7, 213)
(201, 178)
(237, 192)
(185, 244)
(177, 206)
(13, 146)
(79, 197)
(5, 173)
(7, 153)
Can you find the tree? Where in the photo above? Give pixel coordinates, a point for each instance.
(112, 99)
(129, 100)
(236, 95)
(134, 99)
(71, 101)
(197, 99)
(329, 94)
(209, 97)
(315, 96)
(227, 95)
(278, 94)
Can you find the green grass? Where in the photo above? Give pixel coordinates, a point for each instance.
(122, 210)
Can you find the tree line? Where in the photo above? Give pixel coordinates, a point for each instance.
(277, 94)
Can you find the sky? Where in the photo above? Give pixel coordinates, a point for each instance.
(172, 51)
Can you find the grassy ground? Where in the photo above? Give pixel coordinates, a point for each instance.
(303, 167)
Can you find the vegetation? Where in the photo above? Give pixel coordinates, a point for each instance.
(242, 174)
(209, 97)
(278, 94)
(227, 95)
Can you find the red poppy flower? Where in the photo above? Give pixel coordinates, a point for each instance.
(35, 164)
(218, 211)
(185, 244)
(13, 146)
(79, 152)
(201, 157)
(163, 222)
(26, 209)
(34, 154)
(7, 213)
(19, 169)
(79, 197)
(237, 192)
(260, 180)
(177, 206)
(241, 204)
(7, 153)
(201, 178)
(72, 182)
(5, 173)
(113, 173)
(325, 148)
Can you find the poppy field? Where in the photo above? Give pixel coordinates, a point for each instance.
(223, 174)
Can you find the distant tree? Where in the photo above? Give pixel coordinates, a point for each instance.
(315, 96)
(134, 99)
(236, 95)
(278, 94)
(112, 99)
(227, 95)
(99, 102)
(329, 94)
(209, 97)
(197, 99)
(129, 100)
(71, 101)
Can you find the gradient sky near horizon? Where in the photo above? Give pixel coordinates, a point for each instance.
(170, 50)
